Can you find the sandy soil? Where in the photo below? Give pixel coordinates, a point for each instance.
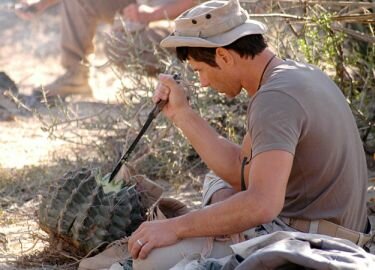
(29, 54)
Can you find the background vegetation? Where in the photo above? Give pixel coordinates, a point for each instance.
(337, 36)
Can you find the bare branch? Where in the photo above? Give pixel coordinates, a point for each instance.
(353, 33)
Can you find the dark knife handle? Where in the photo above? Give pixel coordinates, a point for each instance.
(158, 107)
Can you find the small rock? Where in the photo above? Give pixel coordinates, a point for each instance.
(6, 83)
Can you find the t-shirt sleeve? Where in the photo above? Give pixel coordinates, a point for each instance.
(275, 122)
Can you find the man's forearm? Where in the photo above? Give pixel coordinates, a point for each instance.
(219, 154)
(259, 204)
(233, 215)
(48, 3)
(171, 10)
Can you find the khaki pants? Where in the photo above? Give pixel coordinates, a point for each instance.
(208, 247)
(166, 257)
(79, 21)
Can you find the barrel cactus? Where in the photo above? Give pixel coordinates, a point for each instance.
(85, 210)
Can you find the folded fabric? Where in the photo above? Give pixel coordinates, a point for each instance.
(313, 251)
(287, 250)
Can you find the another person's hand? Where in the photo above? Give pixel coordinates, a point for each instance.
(150, 235)
(138, 13)
(169, 89)
(28, 11)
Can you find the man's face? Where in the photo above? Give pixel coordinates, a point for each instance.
(218, 78)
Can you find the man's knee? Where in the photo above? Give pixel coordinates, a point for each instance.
(212, 184)
(167, 257)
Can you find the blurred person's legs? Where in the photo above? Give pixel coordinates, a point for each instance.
(79, 21)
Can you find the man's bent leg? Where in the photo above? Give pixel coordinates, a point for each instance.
(212, 184)
(79, 22)
(167, 257)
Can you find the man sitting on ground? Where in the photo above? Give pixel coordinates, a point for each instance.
(301, 165)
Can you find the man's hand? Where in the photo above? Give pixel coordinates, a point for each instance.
(169, 89)
(138, 13)
(30, 9)
(150, 235)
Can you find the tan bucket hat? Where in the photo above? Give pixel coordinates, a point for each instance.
(212, 24)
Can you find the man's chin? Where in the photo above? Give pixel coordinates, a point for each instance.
(230, 96)
(227, 95)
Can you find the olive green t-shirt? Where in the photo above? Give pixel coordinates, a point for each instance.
(300, 110)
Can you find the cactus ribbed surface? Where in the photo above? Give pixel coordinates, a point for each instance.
(78, 210)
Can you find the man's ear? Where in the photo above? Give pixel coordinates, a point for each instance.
(224, 56)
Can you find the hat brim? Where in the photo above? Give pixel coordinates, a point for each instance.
(250, 27)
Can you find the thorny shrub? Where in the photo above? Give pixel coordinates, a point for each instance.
(164, 153)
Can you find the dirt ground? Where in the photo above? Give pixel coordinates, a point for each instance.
(29, 54)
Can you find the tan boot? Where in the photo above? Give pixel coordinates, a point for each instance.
(115, 252)
(73, 82)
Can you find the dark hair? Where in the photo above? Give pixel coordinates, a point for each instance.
(246, 46)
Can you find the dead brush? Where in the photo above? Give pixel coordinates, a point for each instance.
(163, 152)
(299, 31)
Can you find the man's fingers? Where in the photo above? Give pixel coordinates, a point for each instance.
(168, 80)
(130, 12)
(161, 93)
(136, 247)
(133, 246)
(145, 250)
(130, 244)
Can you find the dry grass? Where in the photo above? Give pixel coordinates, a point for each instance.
(31, 158)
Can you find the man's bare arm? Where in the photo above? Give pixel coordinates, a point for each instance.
(259, 204)
(145, 14)
(171, 10)
(220, 155)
